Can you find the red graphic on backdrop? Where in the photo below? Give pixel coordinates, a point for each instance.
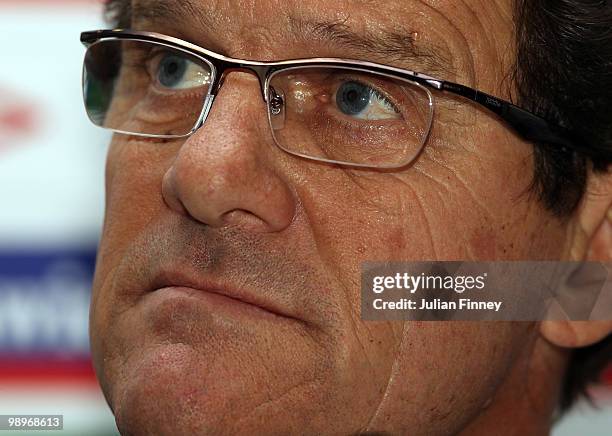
(18, 118)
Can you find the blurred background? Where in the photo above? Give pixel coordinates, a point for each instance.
(51, 206)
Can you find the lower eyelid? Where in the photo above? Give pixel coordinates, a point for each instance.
(354, 122)
(179, 93)
(352, 128)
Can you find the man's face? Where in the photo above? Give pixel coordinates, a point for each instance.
(226, 296)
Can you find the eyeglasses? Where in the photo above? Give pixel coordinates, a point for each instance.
(331, 110)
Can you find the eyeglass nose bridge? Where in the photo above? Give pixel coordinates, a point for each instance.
(225, 68)
(274, 103)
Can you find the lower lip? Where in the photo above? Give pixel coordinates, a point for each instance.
(214, 303)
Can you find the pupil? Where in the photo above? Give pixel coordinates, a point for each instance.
(172, 70)
(352, 98)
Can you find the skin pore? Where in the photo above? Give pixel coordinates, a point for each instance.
(227, 209)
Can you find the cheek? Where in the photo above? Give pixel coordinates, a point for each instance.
(446, 373)
(365, 220)
(133, 186)
(476, 199)
(134, 171)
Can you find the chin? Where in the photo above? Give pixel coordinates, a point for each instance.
(174, 389)
(170, 391)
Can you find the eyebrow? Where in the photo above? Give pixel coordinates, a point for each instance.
(386, 46)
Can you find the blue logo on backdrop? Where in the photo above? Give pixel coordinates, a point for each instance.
(44, 301)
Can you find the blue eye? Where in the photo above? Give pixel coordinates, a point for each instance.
(352, 98)
(176, 72)
(171, 71)
(361, 101)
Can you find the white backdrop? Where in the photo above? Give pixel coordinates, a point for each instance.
(51, 194)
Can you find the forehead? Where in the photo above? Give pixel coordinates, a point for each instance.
(274, 10)
(447, 36)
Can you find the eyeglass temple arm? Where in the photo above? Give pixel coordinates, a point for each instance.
(529, 126)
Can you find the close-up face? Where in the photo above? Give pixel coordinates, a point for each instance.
(227, 290)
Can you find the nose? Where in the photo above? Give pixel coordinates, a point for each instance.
(226, 173)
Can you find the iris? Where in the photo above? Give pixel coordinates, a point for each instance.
(353, 97)
(171, 71)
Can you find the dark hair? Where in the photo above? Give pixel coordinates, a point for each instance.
(563, 72)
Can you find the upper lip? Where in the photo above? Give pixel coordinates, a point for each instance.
(175, 277)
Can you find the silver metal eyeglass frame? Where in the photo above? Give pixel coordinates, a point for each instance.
(528, 125)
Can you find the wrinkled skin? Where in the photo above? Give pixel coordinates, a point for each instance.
(228, 206)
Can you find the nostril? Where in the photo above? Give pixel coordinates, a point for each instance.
(245, 220)
(170, 195)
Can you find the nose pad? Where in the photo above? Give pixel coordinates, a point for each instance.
(205, 110)
(276, 103)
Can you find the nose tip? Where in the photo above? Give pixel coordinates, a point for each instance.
(225, 174)
(225, 200)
